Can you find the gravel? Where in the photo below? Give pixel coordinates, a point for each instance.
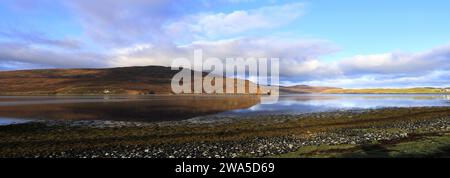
(253, 147)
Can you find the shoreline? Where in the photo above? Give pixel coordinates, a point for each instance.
(252, 136)
(224, 94)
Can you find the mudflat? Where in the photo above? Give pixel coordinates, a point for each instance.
(388, 132)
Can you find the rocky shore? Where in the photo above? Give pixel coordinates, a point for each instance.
(251, 146)
(262, 147)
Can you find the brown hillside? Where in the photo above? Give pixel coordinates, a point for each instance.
(125, 80)
(304, 89)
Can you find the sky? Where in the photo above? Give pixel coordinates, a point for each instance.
(346, 43)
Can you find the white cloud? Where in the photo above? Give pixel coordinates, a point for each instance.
(399, 63)
(429, 68)
(309, 69)
(40, 39)
(291, 52)
(22, 54)
(434, 78)
(124, 22)
(213, 25)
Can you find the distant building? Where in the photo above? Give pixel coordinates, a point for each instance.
(106, 91)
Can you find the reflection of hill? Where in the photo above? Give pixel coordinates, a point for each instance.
(159, 109)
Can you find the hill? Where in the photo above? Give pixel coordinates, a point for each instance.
(124, 80)
(140, 81)
(298, 89)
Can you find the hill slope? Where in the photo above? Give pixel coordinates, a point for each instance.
(125, 80)
(304, 89)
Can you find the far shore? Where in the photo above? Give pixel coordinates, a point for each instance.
(424, 90)
(344, 91)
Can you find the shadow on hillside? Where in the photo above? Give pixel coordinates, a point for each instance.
(381, 151)
(369, 151)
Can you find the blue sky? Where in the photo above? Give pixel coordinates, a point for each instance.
(346, 43)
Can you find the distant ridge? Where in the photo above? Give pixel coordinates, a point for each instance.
(142, 81)
(299, 89)
(416, 90)
(304, 89)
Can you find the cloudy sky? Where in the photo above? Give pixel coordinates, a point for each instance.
(345, 43)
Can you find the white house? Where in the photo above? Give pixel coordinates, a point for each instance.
(106, 91)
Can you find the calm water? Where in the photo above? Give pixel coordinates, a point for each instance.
(305, 103)
(165, 108)
(9, 121)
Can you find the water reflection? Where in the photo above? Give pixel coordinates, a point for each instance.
(166, 108)
(10, 121)
(150, 108)
(446, 97)
(297, 104)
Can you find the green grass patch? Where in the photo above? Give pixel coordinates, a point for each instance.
(428, 146)
(437, 146)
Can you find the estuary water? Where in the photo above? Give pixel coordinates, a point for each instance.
(307, 103)
(169, 108)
